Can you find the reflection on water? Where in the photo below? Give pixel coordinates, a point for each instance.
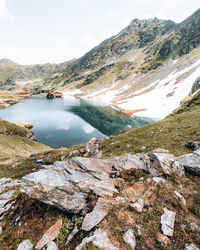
(69, 121)
(106, 119)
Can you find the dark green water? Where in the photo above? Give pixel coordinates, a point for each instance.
(69, 121)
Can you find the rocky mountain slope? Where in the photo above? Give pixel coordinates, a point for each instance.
(124, 192)
(149, 64)
(148, 68)
(14, 76)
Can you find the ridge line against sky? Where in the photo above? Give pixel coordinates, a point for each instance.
(53, 31)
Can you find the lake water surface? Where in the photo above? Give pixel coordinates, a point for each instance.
(69, 121)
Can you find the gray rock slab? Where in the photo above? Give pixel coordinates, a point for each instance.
(191, 162)
(72, 234)
(25, 245)
(180, 196)
(52, 246)
(159, 180)
(165, 164)
(100, 239)
(129, 238)
(167, 222)
(96, 216)
(138, 206)
(66, 185)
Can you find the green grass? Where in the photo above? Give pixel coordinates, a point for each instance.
(170, 133)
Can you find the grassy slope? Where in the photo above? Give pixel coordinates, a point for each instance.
(15, 147)
(170, 133)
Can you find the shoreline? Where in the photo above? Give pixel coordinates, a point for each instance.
(9, 98)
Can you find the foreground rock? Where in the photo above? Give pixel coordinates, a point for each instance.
(164, 240)
(166, 164)
(92, 149)
(156, 164)
(129, 238)
(67, 185)
(167, 221)
(100, 239)
(191, 162)
(191, 247)
(96, 216)
(8, 192)
(25, 125)
(50, 235)
(25, 245)
(52, 246)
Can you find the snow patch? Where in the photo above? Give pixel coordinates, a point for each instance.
(166, 96)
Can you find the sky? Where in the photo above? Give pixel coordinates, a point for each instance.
(54, 31)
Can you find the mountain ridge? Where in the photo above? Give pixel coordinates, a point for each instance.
(142, 52)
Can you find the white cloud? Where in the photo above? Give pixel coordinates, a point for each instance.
(4, 12)
(87, 128)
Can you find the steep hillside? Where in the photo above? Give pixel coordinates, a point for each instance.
(147, 69)
(142, 46)
(15, 76)
(16, 143)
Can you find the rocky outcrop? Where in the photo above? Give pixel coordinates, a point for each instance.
(191, 162)
(195, 86)
(97, 194)
(25, 125)
(156, 164)
(67, 185)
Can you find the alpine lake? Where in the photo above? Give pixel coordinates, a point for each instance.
(64, 122)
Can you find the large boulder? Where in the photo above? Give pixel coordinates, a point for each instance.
(156, 164)
(191, 162)
(67, 185)
(165, 164)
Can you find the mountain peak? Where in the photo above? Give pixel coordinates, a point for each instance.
(6, 62)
